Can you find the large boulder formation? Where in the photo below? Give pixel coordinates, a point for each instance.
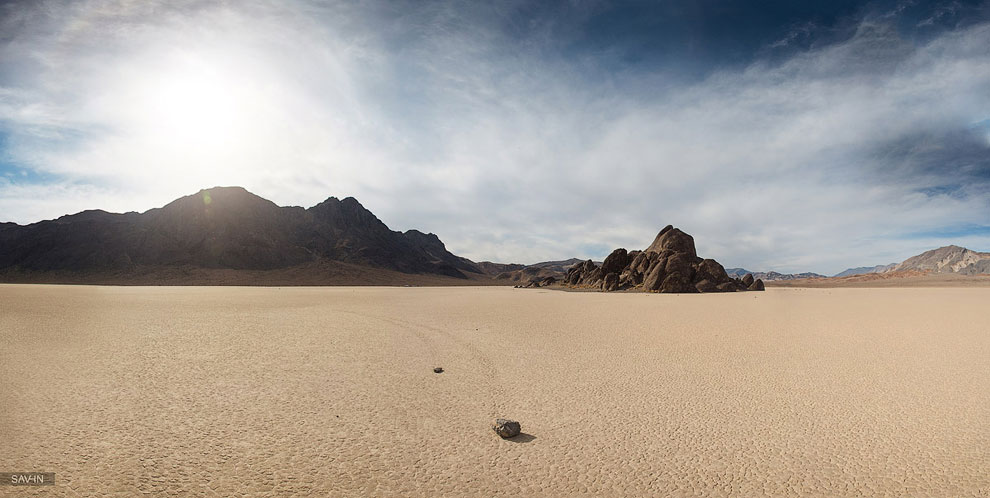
(669, 265)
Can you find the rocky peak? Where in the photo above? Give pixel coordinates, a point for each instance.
(673, 239)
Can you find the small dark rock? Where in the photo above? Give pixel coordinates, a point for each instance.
(438, 370)
(506, 428)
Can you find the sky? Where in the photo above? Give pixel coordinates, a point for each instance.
(787, 136)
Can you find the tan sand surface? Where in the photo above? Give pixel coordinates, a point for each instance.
(330, 391)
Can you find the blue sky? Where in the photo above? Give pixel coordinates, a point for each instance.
(793, 136)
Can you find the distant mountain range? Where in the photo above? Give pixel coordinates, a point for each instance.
(222, 228)
(227, 235)
(528, 273)
(769, 275)
(862, 270)
(948, 259)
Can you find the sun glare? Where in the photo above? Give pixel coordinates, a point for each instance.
(194, 105)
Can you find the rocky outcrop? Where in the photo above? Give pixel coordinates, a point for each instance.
(580, 272)
(610, 282)
(669, 265)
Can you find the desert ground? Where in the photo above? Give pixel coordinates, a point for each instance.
(264, 391)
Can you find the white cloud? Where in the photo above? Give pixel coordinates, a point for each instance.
(437, 121)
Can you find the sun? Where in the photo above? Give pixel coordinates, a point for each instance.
(193, 103)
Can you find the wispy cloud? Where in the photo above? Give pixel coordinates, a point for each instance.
(438, 118)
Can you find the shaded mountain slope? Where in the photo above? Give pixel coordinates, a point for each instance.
(222, 228)
(948, 259)
(863, 270)
(538, 271)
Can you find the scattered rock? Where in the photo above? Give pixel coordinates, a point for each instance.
(506, 428)
(438, 370)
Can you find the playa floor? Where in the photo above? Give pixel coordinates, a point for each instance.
(330, 391)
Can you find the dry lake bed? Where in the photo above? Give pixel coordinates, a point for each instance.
(217, 391)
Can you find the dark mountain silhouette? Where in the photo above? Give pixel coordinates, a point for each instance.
(223, 228)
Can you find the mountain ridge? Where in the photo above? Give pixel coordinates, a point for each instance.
(223, 228)
(770, 276)
(862, 270)
(945, 259)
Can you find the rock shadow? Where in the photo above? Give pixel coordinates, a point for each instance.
(522, 437)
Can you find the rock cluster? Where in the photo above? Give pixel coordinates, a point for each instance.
(670, 264)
